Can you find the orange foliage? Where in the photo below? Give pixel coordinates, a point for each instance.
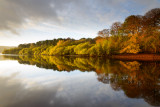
(99, 39)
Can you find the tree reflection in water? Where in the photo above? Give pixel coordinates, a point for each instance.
(136, 79)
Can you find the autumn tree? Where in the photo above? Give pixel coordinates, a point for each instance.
(104, 33)
(151, 21)
(151, 33)
(131, 46)
(152, 18)
(132, 24)
(115, 28)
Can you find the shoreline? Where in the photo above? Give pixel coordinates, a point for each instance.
(137, 57)
(129, 57)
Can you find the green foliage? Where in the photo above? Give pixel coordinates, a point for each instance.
(106, 46)
(38, 50)
(12, 51)
(92, 51)
(99, 49)
(82, 48)
(69, 50)
(26, 51)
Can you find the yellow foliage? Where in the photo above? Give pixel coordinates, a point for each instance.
(132, 45)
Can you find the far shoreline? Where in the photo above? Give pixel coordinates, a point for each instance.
(129, 57)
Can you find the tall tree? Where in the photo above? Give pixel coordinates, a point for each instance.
(151, 21)
(132, 24)
(152, 18)
(115, 28)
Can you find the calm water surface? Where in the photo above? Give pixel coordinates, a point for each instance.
(77, 82)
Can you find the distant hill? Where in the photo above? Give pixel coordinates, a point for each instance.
(5, 47)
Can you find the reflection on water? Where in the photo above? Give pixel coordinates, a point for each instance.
(116, 82)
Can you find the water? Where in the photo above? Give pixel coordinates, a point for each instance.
(77, 82)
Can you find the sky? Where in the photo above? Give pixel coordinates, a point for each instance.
(28, 21)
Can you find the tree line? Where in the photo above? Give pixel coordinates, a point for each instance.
(137, 34)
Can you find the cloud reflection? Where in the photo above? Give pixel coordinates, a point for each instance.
(44, 88)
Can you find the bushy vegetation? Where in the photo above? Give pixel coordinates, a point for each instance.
(137, 34)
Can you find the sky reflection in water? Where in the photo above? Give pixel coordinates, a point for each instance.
(53, 81)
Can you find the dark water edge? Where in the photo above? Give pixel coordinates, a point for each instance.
(137, 57)
(136, 79)
(127, 57)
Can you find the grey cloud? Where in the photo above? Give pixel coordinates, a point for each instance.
(69, 13)
(14, 13)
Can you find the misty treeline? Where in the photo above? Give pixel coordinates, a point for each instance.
(137, 34)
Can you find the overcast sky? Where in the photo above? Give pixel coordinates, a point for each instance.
(25, 21)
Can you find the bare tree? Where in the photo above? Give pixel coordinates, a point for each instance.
(104, 33)
(115, 28)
